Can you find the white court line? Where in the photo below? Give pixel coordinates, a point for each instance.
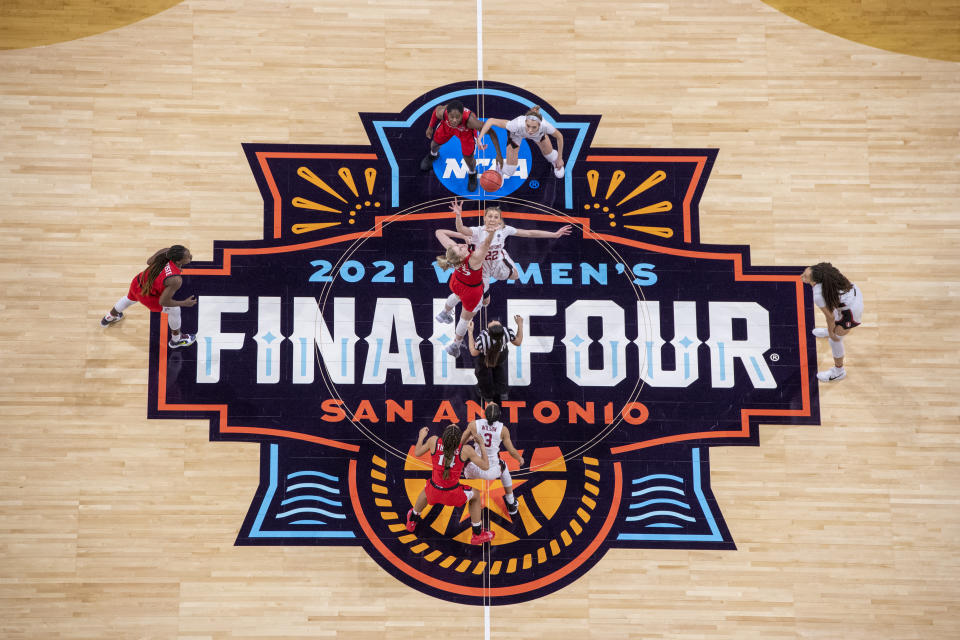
(486, 605)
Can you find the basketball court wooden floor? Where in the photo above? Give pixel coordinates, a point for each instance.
(124, 135)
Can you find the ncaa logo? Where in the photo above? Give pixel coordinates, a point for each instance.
(451, 169)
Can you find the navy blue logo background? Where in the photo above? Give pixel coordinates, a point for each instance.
(643, 349)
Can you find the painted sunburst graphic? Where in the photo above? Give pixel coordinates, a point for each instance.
(616, 179)
(351, 208)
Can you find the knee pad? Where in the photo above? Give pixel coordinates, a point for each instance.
(505, 475)
(551, 157)
(836, 347)
(508, 170)
(461, 329)
(173, 317)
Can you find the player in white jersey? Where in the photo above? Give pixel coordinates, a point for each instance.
(842, 305)
(492, 432)
(530, 126)
(497, 265)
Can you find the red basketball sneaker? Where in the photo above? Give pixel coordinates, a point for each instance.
(411, 523)
(483, 536)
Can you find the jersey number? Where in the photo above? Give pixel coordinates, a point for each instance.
(488, 439)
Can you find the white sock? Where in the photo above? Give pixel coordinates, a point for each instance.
(820, 332)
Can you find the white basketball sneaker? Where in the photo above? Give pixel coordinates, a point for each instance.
(832, 375)
(821, 333)
(445, 317)
(454, 348)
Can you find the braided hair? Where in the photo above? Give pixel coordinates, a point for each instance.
(451, 440)
(833, 283)
(492, 412)
(175, 253)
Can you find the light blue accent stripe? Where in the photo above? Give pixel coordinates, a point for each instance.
(322, 512)
(662, 525)
(658, 488)
(576, 363)
(756, 367)
(686, 366)
(343, 357)
(613, 355)
(641, 505)
(303, 357)
(409, 344)
(581, 128)
(267, 356)
(333, 503)
(313, 485)
(519, 352)
(322, 522)
(376, 358)
(672, 514)
(657, 476)
(701, 500)
(649, 360)
(443, 364)
(380, 125)
(723, 362)
(257, 532)
(209, 343)
(318, 474)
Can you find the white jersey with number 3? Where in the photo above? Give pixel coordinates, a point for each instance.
(490, 436)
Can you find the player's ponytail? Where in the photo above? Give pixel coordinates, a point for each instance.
(534, 112)
(451, 440)
(174, 253)
(450, 259)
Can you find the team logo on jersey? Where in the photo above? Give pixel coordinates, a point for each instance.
(643, 348)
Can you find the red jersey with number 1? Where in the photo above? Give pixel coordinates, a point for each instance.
(152, 299)
(456, 468)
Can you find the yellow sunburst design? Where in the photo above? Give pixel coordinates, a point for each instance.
(616, 179)
(346, 175)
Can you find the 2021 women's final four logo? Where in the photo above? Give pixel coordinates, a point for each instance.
(642, 348)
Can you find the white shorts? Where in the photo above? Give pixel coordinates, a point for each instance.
(497, 269)
(473, 472)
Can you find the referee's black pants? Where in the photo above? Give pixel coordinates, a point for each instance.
(492, 381)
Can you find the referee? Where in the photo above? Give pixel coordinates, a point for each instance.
(489, 351)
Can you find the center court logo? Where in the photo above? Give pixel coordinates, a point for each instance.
(643, 348)
(451, 169)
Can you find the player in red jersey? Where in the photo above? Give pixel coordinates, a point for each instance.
(466, 282)
(154, 288)
(448, 455)
(453, 119)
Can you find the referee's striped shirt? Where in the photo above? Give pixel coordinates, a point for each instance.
(482, 343)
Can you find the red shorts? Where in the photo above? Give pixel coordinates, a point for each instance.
(455, 497)
(467, 140)
(470, 297)
(150, 302)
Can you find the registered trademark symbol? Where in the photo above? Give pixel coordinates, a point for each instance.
(534, 184)
(774, 357)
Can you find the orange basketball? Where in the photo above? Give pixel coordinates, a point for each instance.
(491, 180)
